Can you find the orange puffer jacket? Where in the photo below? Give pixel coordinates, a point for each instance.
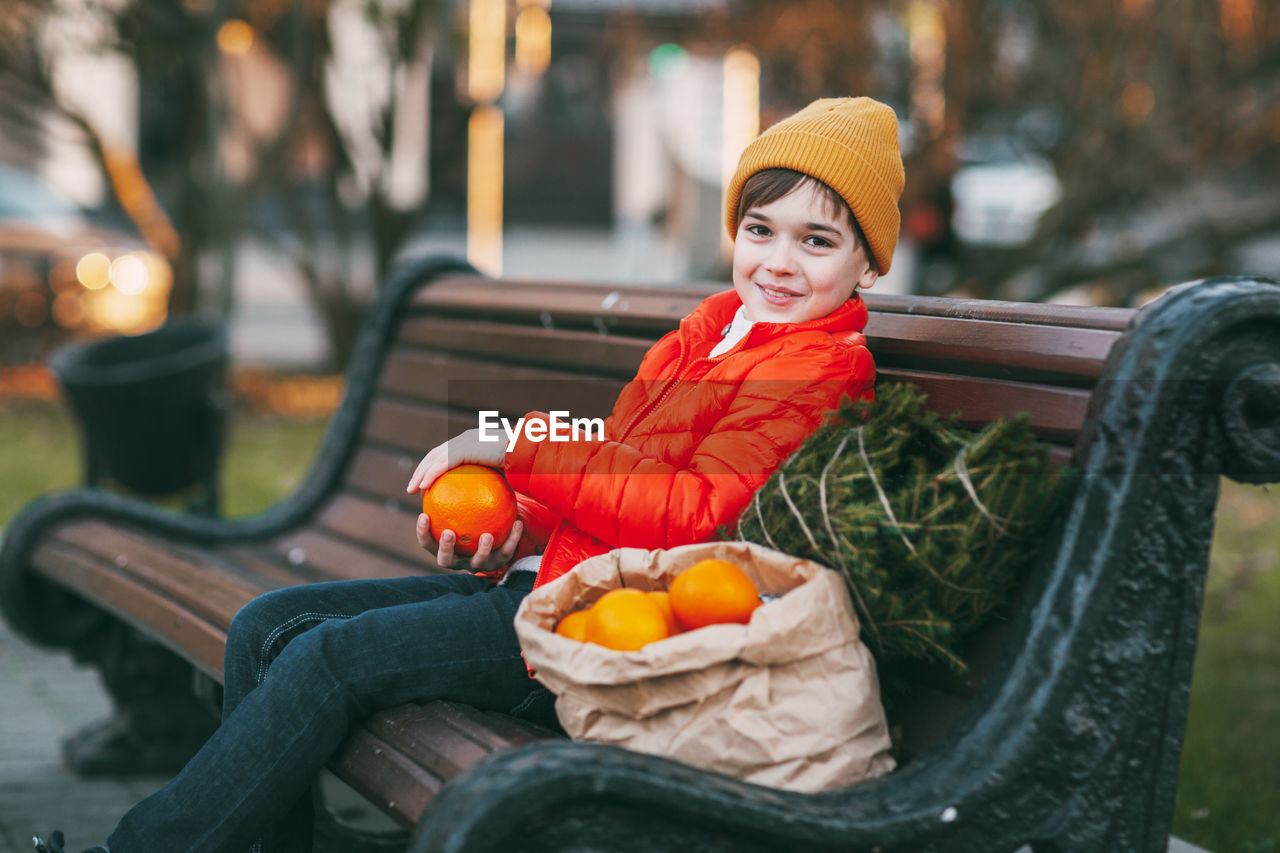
(691, 438)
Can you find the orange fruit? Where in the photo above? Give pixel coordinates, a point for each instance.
(663, 599)
(625, 620)
(573, 626)
(470, 500)
(711, 592)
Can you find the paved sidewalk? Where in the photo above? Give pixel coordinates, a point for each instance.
(43, 698)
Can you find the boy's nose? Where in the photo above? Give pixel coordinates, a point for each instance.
(781, 260)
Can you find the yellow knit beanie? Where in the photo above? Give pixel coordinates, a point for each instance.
(851, 145)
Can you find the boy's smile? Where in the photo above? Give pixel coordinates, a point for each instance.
(796, 259)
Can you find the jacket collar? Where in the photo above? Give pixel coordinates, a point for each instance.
(715, 312)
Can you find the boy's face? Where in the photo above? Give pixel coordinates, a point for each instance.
(794, 259)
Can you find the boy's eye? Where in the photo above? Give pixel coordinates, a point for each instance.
(820, 242)
(758, 230)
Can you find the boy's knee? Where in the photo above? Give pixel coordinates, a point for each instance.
(324, 658)
(255, 619)
(266, 625)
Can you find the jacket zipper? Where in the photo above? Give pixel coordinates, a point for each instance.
(662, 395)
(681, 370)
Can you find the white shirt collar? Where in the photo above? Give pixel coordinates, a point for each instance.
(736, 331)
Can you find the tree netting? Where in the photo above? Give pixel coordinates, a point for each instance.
(931, 524)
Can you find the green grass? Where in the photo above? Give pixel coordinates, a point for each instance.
(1228, 787)
(1229, 780)
(265, 458)
(39, 453)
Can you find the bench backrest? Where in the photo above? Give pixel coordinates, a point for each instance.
(467, 343)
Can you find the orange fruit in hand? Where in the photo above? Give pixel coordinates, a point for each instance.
(711, 592)
(625, 620)
(662, 598)
(573, 626)
(470, 500)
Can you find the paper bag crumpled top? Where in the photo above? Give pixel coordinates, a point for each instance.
(789, 700)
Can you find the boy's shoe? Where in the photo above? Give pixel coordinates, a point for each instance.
(56, 844)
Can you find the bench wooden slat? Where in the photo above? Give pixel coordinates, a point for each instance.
(271, 573)
(172, 623)
(372, 525)
(470, 385)
(611, 355)
(337, 559)
(442, 738)
(563, 304)
(1056, 413)
(204, 586)
(1034, 313)
(272, 564)
(441, 749)
(1014, 349)
(399, 786)
(498, 729)
(381, 474)
(412, 427)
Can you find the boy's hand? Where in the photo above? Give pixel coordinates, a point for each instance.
(462, 448)
(485, 558)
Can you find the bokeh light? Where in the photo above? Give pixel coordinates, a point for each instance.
(533, 40)
(114, 310)
(1137, 101)
(487, 62)
(235, 37)
(94, 270)
(664, 58)
(129, 275)
(484, 189)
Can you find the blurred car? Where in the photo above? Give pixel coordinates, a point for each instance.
(61, 274)
(999, 203)
(1003, 185)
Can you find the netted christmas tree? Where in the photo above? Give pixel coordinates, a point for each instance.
(932, 524)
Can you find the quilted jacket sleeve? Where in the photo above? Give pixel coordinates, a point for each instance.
(624, 497)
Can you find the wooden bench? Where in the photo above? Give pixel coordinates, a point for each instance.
(1071, 742)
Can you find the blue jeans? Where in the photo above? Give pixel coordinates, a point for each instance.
(304, 665)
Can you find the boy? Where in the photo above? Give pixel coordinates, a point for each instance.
(802, 248)
(715, 408)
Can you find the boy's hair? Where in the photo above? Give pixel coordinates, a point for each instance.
(769, 185)
(848, 144)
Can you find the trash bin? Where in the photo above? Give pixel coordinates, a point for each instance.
(152, 408)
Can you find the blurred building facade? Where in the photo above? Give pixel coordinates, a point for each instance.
(591, 138)
(619, 117)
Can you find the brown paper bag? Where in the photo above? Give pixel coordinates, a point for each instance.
(789, 700)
